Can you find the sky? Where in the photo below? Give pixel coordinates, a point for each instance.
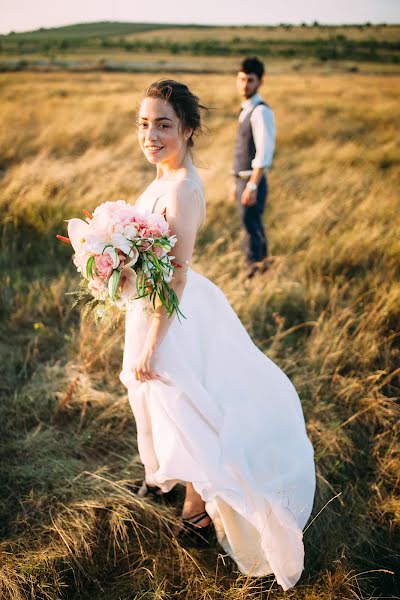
(25, 15)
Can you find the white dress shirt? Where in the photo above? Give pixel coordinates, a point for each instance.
(263, 127)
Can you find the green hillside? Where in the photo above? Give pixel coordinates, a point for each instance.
(88, 30)
(373, 43)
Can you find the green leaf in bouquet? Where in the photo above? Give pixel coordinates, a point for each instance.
(89, 267)
(140, 282)
(152, 257)
(113, 283)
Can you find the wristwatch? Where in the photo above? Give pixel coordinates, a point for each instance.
(252, 186)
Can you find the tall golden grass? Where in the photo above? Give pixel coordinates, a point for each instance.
(327, 312)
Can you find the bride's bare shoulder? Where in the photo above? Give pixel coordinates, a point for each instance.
(182, 191)
(183, 204)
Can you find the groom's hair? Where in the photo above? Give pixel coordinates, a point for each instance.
(252, 65)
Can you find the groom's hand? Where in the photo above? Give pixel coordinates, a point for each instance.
(249, 197)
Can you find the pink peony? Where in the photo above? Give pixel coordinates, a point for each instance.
(107, 210)
(140, 219)
(113, 217)
(104, 265)
(157, 226)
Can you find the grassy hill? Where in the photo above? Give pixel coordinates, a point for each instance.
(328, 313)
(85, 31)
(372, 43)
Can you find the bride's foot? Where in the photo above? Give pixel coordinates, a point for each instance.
(197, 521)
(196, 528)
(195, 514)
(194, 518)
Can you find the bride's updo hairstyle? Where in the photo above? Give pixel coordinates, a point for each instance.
(186, 105)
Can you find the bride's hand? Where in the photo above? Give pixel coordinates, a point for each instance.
(143, 370)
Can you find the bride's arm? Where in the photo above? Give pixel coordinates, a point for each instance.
(183, 214)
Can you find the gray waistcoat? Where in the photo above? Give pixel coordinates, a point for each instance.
(245, 149)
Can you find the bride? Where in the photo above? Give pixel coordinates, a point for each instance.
(212, 411)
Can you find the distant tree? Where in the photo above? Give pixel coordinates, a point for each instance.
(315, 24)
(21, 65)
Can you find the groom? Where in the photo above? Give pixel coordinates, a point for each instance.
(254, 150)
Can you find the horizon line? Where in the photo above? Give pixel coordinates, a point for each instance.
(314, 23)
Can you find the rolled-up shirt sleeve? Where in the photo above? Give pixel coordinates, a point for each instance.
(263, 127)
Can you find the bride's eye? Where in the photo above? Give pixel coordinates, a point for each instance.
(142, 125)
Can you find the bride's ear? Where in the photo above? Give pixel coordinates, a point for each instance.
(188, 134)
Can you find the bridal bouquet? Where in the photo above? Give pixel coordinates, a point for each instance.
(122, 253)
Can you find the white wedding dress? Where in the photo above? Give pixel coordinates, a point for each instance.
(227, 419)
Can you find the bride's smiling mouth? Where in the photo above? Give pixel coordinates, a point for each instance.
(154, 149)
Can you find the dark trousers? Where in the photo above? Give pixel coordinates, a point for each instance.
(255, 241)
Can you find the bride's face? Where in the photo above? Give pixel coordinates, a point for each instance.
(160, 132)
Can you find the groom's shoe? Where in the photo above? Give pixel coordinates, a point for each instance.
(264, 265)
(252, 270)
(257, 267)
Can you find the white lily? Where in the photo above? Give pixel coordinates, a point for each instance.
(78, 232)
(123, 243)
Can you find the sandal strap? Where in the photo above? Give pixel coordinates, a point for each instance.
(197, 518)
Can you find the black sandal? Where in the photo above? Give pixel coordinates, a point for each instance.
(153, 492)
(145, 490)
(190, 529)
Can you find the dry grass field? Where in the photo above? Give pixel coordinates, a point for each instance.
(327, 312)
